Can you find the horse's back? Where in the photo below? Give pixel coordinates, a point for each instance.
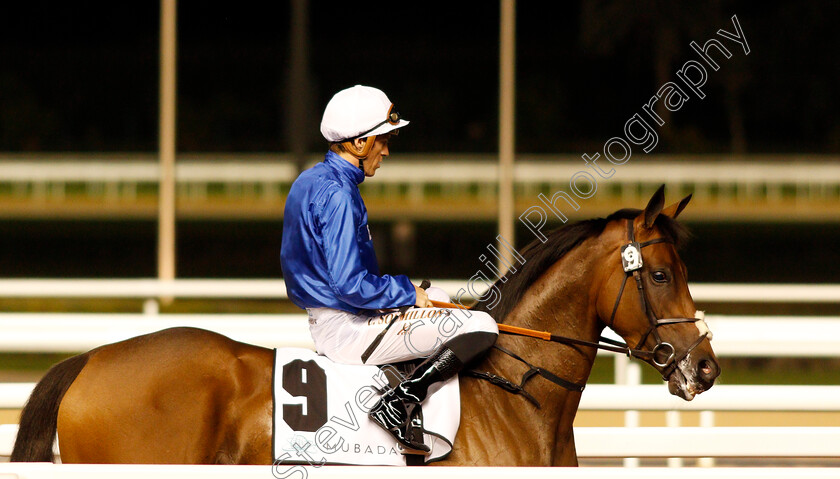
(180, 395)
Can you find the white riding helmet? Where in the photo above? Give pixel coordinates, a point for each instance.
(359, 112)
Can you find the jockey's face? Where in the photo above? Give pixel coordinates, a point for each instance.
(377, 153)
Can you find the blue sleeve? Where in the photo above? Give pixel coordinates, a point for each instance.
(350, 280)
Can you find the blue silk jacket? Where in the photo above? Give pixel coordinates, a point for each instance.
(327, 252)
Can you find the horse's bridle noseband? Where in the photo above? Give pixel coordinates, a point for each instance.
(631, 259)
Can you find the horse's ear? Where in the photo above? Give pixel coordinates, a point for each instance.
(654, 206)
(674, 210)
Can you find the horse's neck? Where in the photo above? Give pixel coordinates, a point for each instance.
(562, 301)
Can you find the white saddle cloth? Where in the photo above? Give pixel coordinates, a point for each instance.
(321, 413)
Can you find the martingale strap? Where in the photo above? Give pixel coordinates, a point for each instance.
(520, 388)
(503, 383)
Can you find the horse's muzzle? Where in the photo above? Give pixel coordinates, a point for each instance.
(693, 375)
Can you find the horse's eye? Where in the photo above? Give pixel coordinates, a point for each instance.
(659, 276)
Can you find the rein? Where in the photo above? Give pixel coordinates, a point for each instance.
(631, 259)
(508, 385)
(611, 344)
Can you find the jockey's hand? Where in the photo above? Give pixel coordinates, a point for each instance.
(422, 298)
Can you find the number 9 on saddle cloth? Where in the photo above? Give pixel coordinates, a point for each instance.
(321, 413)
(448, 338)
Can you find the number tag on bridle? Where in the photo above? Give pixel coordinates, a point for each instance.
(631, 257)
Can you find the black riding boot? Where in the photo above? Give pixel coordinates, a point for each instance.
(394, 409)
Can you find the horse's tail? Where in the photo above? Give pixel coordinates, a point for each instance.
(39, 418)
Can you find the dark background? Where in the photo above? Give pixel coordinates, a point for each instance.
(717, 252)
(83, 77)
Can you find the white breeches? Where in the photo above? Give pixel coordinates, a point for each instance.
(343, 336)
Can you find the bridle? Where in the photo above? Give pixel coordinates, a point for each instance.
(632, 262)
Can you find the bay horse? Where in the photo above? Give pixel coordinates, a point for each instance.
(192, 396)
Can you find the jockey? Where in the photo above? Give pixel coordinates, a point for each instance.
(330, 268)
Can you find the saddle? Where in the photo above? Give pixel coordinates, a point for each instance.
(321, 413)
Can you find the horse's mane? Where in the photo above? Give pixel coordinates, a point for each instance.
(540, 256)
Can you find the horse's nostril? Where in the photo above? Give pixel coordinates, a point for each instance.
(707, 370)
